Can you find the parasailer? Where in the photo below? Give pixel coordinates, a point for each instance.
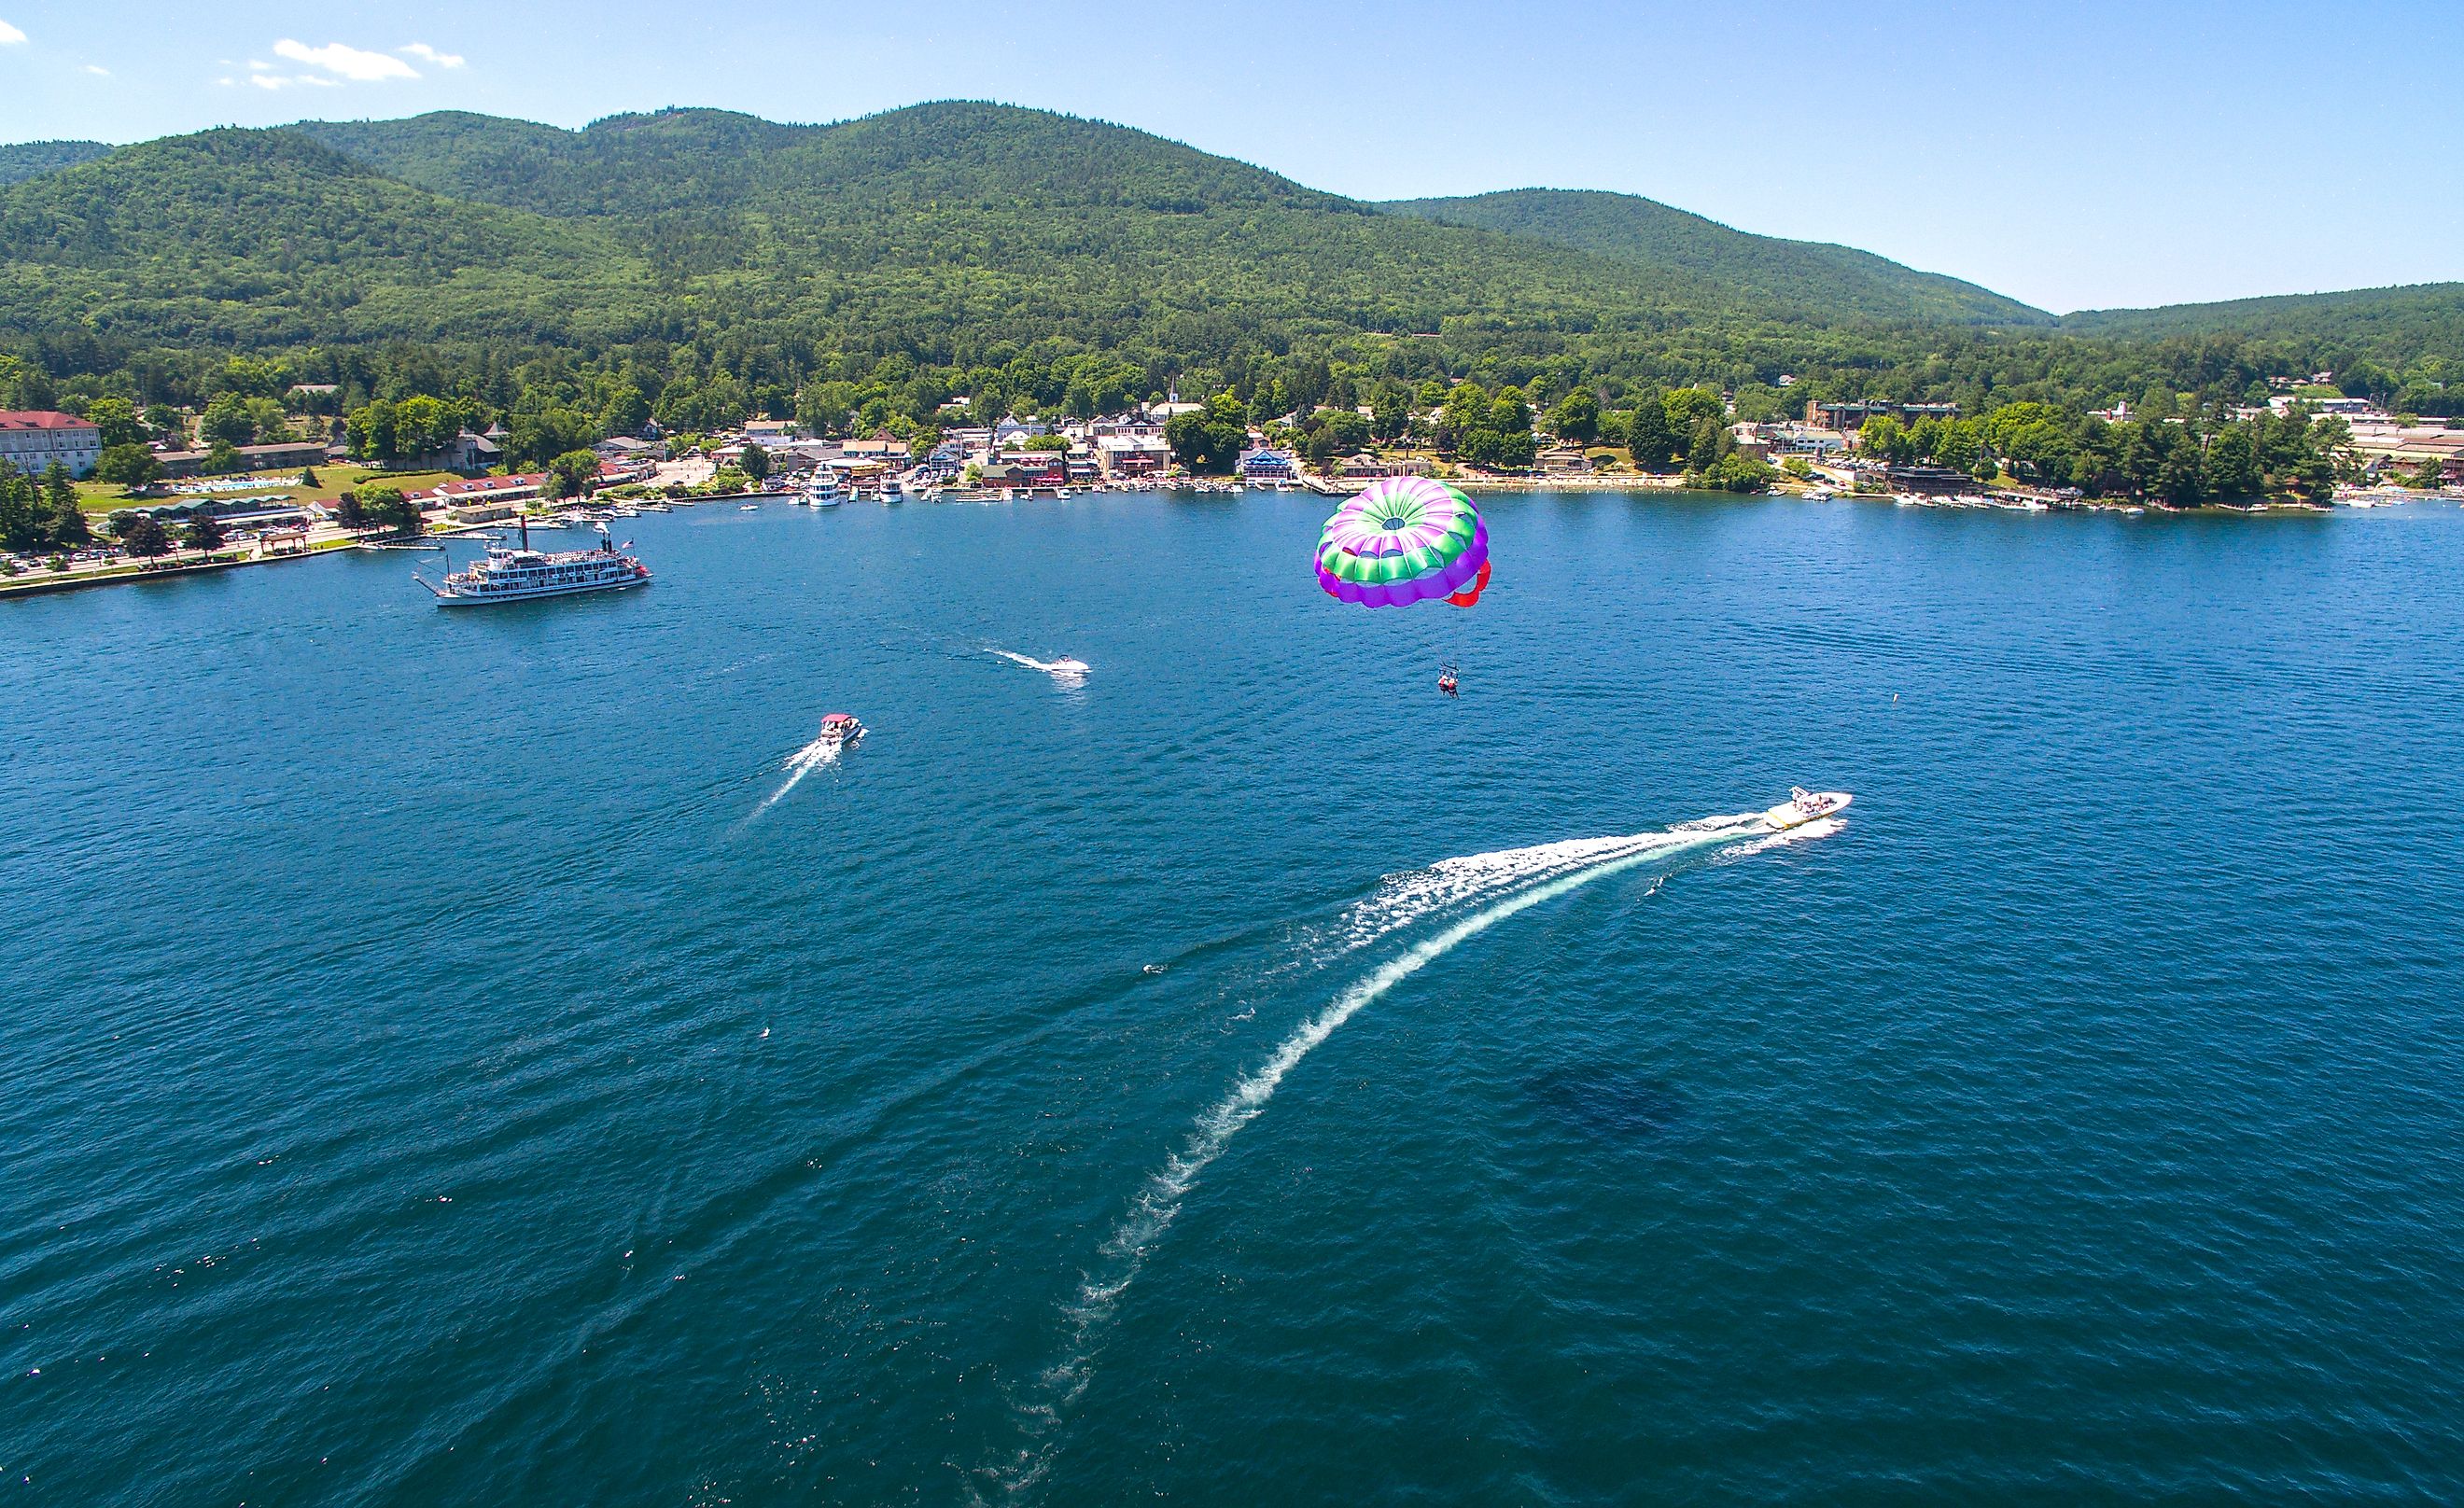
(1404, 540)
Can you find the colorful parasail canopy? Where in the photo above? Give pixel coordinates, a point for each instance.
(1404, 540)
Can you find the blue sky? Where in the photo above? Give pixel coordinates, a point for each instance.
(2075, 156)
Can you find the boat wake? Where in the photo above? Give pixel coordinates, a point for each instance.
(800, 764)
(1487, 888)
(1064, 671)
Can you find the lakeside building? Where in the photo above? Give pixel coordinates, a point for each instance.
(1125, 457)
(1267, 464)
(885, 451)
(31, 439)
(283, 456)
(2386, 446)
(1849, 417)
(2281, 403)
(1800, 439)
(479, 491)
(1930, 481)
(1369, 467)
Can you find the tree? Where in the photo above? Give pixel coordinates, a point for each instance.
(387, 507)
(142, 535)
(1576, 417)
(227, 420)
(370, 431)
(1760, 402)
(755, 462)
(1737, 472)
(380, 509)
(2233, 464)
(626, 411)
(347, 510)
(266, 417)
(1650, 438)
(2432, 475)
(128, 465)
(59, 488)
(222, 459)
(1508, 412)
(539, 436)
(117, 419)
(308, 477)
(21, 523)
(1212, 438)
(70, 530)
(573, 474)
(425, 427)
(203, 534)
(1885, 439)
(1689, 406)
(1709, 443)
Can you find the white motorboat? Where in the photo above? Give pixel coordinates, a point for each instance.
(822, 491)
(1804, 806)
(838, 730)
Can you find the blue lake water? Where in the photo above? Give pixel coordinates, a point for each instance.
(469, 1058)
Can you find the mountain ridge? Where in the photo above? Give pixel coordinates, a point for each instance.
(959, 233)
(1632, 228)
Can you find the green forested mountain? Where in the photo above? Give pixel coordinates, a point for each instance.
(991, 222)
(253, 238)
(24, 159)
(2386, 325)
(1802, 273)
(957, 238)
(945, 229)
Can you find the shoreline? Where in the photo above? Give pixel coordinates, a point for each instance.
(45, 583)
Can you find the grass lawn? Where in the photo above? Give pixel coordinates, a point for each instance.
(101, 498)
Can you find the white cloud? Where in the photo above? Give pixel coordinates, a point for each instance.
(10, 36)
(350, 62)
(268, 81)
(427, 54)
(226, 82)
(98, 70)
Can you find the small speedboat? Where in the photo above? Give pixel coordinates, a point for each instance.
(840, 730)
(1804, 806)
(1068, 668)
(748, 508)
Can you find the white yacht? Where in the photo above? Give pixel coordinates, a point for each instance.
(1804, 806)
(823, 489)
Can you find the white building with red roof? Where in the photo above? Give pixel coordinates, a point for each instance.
(31, 439)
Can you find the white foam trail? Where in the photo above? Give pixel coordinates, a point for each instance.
(1067, 671)
(1527, 877)
(800, 764)
(1403, 898)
